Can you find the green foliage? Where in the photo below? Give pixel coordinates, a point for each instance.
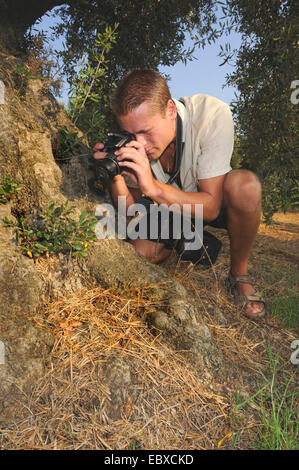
(69, 144)
(267, 120)
(276, 402)
(152, 33)
(236, 161)
(295, 195)
(285, 309)
(278, 409)
(91, 89)
(149, 34)
(55, 232)
(42, 62)
(283, 301)
(22, 74)
(135, 444)
(8, 190)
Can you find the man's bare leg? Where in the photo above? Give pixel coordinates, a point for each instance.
(152, 251)
(242, 200)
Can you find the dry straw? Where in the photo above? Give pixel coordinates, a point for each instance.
(164, 406)
(113, 383)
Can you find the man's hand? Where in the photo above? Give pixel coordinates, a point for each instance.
(133, 157)
(97, 154)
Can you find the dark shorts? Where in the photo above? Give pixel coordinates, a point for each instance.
(210, 245)
(186, 236)
(220, 222)
(166, 225)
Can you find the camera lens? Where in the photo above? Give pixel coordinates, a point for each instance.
(108, 168)
(105, 172)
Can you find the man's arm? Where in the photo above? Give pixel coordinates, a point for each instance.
(119, 187)
(211, 189)
(210, 196)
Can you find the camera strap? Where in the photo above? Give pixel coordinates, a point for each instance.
(179, 146)
(157, 169)
(211, 246)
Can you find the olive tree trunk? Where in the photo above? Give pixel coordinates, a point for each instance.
(16, 16)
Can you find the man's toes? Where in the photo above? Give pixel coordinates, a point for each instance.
(254, 308)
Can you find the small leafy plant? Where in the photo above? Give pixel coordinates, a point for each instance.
(87, 83)
(55, 232)
(88, 106)
(276, 403)
(70, 144)
(8, 190)
(22, 76)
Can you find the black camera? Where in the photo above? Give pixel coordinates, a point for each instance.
(106, 169)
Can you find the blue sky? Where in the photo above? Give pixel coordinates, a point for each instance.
(203, 75)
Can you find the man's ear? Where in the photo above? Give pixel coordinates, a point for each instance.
(171, 110)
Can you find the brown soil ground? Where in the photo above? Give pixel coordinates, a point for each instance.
(167, 406)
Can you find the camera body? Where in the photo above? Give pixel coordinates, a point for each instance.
(108, 168)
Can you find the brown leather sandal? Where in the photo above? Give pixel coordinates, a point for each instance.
(242, 300)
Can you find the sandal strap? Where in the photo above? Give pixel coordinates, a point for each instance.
(242, 300)
(245, 299)
(243, 278)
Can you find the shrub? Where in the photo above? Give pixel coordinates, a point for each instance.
(54, 231)
(8, 190)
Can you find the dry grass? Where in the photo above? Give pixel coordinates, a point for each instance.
(113, 384)
(164, 405)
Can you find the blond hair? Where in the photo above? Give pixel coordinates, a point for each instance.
(137, 87)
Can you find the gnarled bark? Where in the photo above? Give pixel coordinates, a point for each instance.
(16, 16)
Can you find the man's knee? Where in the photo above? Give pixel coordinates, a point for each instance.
(152, 251)
(242, 190)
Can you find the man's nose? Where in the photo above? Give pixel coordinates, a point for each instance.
(141, 139)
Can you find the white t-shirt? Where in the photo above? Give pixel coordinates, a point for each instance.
(208, 136)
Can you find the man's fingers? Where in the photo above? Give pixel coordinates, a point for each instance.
(137, 145)
(98, 146)
(97, 153)
(130, 153)
(128, 164)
